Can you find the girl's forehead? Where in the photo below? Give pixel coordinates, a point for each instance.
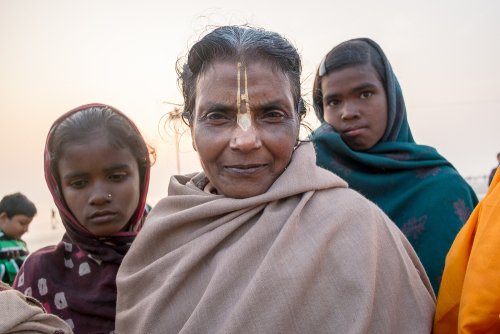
(95, 151)
(351, 76)
(100, 136)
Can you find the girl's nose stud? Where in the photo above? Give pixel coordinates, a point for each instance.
(109, 195)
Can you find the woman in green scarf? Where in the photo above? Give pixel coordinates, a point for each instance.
(365, 139)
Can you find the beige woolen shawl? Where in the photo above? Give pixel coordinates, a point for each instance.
(307, 256)
(22, 314)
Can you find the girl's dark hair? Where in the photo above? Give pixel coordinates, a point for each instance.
(234, 43)
(346, 54)
(95, 122)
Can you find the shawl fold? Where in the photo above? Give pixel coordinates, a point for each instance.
(76, 279)
(307, 256)
(469, 298)
(22, 314)
(413, 184)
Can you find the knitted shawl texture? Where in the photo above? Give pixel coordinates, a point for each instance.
(307, 256)
(23, 314)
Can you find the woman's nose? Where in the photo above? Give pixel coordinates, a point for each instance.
(349, 112)
(99, 197)
(245, 141)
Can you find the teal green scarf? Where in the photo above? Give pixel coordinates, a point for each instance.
(413, 184)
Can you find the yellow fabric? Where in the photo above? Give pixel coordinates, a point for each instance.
(469, 297)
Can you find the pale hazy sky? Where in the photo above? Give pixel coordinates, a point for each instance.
(57, 55)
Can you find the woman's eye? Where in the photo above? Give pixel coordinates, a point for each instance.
(215, 116)
(365, 95)
(274, 114)
(78, 183)
(117, 177)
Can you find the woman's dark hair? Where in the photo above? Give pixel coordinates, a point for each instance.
(346, 54)
(17, 204)
(94, 122)
(238, 43)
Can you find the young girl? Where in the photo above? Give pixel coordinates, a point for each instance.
(97, 169)
(365, 138)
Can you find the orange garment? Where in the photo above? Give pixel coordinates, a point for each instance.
(469, 296)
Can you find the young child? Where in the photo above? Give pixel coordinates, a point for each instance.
(97, 169)
(16, 214)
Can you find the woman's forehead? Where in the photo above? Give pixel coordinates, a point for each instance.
(229, 68)
(221, 78)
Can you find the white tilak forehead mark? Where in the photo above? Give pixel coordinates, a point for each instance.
(244, 119)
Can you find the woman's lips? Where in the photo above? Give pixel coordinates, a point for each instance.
(103, 218)
(354, 132)
(245, 170)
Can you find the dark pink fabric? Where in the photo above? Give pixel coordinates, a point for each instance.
(76, 279)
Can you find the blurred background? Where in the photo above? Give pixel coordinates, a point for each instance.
(57, 55)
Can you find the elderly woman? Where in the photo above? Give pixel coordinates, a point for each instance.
(365, 139)
(263, 240)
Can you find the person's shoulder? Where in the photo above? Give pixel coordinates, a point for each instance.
(448, 181)
(11, 241)
(40, 254)
(44, 251)
(350, 213)
(9, 244)
(36, 263)
(348, 204)
(347, 196)
(4, 237)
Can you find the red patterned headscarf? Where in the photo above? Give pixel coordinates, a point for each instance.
(75, 279)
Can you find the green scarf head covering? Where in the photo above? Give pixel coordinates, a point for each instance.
(413, 184)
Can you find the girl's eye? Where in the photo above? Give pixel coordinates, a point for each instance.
(365, 95)
(117, 177)
(78, 183)
(334, 103)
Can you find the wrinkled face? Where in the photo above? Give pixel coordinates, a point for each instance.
(101, 185)
(355, 104)
(16, 226)
(244, 147)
